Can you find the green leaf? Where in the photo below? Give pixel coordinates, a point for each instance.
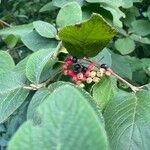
(88, 38)
(10, 81)
(140, 39)
(116, 13)
(104, 57)
(10, 101)
(38, 98)
(104, 90)
(6, 62)
(141, 27)
(36, 42)
(11, 40)
(117, 3)
(59, 3)
(125, 45)
(128, 121)
(39, 65)
(19, 30)
(48, 7)
(62, 127)
(121, 66)
(45, 29)
(69, 14)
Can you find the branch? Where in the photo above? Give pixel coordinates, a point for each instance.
(4, 23)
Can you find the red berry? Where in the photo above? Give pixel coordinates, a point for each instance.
(69, 58)
(78, 82)
(74, 78)
(84, 79)
(80, 76)
(65, 72)
(110, 70)
(91, 67)
(87, 73)
(108, 73)
(69, 62)
(65, 66)
(71, 72)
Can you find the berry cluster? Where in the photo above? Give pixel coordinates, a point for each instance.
(81, 74)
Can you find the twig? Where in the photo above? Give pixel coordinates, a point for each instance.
(5, 23)
(133, 88)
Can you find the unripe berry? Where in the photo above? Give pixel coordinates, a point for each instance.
(110, 70)
(99, 74)
(96, 79)
(91, 67)
(108, 73)
(89, 80)
(81, 85)
(78, 82)
(80, 76)
(92, 74)
(102, 70)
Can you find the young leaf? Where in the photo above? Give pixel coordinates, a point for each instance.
(36, 42)
(128, 121)
(68, 122)
(104, 91)
(45, 29)
(69, 14)
(10, 101)
(39, 62)
(6, 62)
(125, 45)
(87, 38)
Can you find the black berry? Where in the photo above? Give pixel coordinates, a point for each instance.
(74, 59)
(104, 66)
(77, 68)
(84, 69)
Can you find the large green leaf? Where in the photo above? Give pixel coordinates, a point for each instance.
(61, 3)
(20, 30)
(141, 27)
(39, 65)
(121, 66)
(117, 3)
(39, 98)
(116, 13)
(10, 81)
(104, 90)
(128, 121)
(68, 122)
(36, 42)
(87, 38)
(125, 45)
(45, 29)
(69, 14)
(10, 101)
(6, 62)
